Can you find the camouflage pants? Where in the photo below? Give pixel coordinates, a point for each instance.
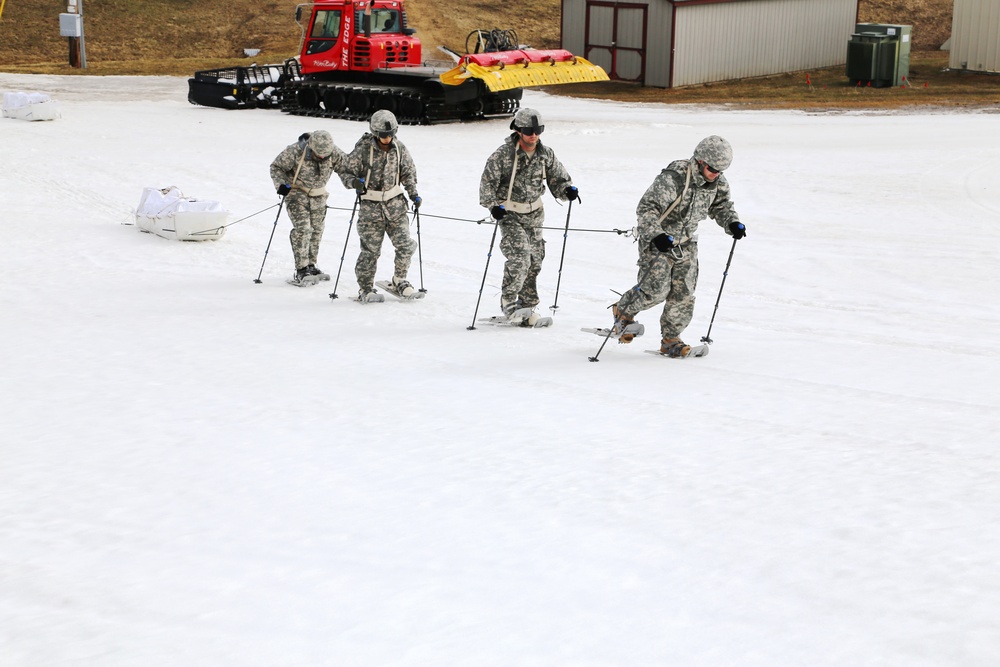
(524, 249)
(663, 277)
(375, 223)
(308, 216)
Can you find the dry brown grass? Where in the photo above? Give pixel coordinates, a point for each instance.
(177, 37)
(931, 19)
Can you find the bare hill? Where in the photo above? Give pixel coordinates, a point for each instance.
(203, 29)
(931, 19)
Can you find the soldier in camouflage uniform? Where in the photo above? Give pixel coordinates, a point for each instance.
(681, 196)
(379, 169)
(300, 174)
(511, 187)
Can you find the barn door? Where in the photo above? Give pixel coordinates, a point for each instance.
(616, 39)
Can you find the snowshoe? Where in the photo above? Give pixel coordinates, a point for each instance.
(402, 287)
(504, 321)
(392, 288)
(303, 278)
(316, 271)
(622, 324)
(633, 331)
(694, 351)
(369, 296)
(674, 347)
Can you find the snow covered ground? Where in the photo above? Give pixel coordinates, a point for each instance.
(199, 470)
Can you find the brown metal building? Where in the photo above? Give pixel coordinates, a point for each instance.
(667, 43)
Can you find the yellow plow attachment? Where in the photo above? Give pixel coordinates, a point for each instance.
(505, 70)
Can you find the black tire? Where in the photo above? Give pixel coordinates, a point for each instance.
(308, 98)
(334, 100)
(410, 108)
(358, 102)
(385, 101)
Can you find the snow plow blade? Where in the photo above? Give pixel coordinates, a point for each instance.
(504, 70)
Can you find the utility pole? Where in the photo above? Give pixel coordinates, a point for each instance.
(71, 26)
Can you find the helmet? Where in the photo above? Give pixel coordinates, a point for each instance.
(383, 121)
(321, 143)
(715, 151)
(527, 118)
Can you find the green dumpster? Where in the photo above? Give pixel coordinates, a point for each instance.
(878, 55)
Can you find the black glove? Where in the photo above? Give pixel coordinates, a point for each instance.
(738, 230)
(359, 186)
(572, 193)
(284, 189)
(416, 202)
(663, 242)
(498, 212)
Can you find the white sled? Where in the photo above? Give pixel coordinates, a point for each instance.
(30, 106)
(168, 213)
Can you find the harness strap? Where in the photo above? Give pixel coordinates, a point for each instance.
(383, 195)
(521, 207)
(687, 185)
(312, 192)
(298, 168)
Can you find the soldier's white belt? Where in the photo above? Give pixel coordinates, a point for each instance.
(383, 195)
(312, 192)
(679, 250)
(521, 208)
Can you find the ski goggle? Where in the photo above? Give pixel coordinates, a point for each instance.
(712, 169)
(529, 131)
(385, 135)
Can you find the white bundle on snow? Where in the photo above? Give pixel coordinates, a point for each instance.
(30, 106)
(168, 213)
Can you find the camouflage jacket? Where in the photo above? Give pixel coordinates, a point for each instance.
(702, 200)
(381, 169)
(533, 174)
(313, 173)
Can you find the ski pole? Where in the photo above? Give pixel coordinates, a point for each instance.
(420, 256)
(294, 178)
(472, 327)
(707, 337)
(555, 305)
(268, 248)
(603, 343)
(343, 253)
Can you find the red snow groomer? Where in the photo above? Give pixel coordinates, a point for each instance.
(357, 57)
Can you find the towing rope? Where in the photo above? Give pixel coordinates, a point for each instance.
(484, 221)
(215, 230)
(490, 221)
(263, 210)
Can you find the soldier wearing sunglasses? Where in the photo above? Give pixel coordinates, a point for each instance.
(381, 170)
(681, 196)
(511, 187)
